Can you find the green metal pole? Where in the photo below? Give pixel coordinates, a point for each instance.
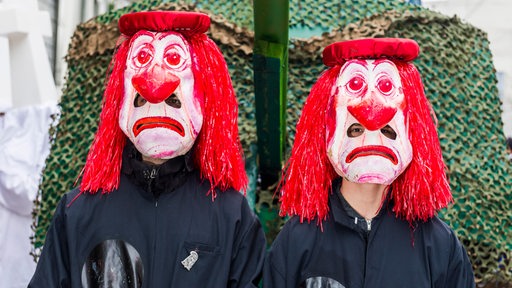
(270, 62)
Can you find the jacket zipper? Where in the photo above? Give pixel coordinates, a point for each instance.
(150, 176)
(365, 235)
(366, 239)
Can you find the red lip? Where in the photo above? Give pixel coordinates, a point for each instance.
(157, 122)
(372, 150)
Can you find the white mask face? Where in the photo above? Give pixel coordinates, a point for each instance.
(160, 113)
(370, 142)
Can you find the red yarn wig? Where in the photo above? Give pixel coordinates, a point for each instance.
(423, 188)
(217, 152)
(418, 193)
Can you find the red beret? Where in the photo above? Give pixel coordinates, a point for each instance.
(186, 23)
(370, 48)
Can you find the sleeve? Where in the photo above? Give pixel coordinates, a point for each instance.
(24, 146)
(53, 266)
(18, 190)
(274, 270)
(247, 261)
(460, 272)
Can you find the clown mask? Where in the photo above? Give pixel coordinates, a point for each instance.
(369, 141)
(160, 113)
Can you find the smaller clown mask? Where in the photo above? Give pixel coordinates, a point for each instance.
(160, 113)
(370, 142)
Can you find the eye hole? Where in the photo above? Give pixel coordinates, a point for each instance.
(143, 57)
(388, 132)
(139, 101)
(355, 130)
(173, 101)
(356, 84)
(385, 86)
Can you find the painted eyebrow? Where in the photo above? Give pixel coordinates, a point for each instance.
(377, 62)
(362, 63)
(169, 34)
(143, 32)
(381, 60)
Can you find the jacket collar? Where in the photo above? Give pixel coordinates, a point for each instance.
(155, 179)
(344, 214)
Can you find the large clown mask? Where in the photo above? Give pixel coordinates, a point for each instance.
(160, 113)
(369, 141)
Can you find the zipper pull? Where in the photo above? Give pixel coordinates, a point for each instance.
(369, 224)
(150, 175)
(154, 172)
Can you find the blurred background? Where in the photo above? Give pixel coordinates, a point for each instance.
(491, 16)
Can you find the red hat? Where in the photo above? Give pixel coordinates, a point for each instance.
(186, 23)
(370, 48)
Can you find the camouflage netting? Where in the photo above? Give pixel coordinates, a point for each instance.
(459, 79)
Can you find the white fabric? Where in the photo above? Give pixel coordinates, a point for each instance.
(24, 146)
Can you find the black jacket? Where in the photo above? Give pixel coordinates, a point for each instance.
(139, 234)
(390, 254)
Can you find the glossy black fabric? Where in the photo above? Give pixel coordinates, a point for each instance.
(391, 254)
(320, 282)
(113, 263)
(164, 215)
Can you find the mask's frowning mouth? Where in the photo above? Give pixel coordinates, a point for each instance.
(158, 122)
(372, 150)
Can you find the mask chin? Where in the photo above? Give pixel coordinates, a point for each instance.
(162, 145)
(372, 169)
(163, 152)
(369, 178)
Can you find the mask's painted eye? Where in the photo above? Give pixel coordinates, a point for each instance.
(356, 84)
(176, 56)
(143, 57)
(173, 58)
(385, 86)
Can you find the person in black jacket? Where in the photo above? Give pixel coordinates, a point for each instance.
(365, 180)
(159, 204)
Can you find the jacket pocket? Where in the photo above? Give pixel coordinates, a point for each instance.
(200, 266)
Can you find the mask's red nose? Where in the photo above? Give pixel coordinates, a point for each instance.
(372, 113)
(155, 84)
